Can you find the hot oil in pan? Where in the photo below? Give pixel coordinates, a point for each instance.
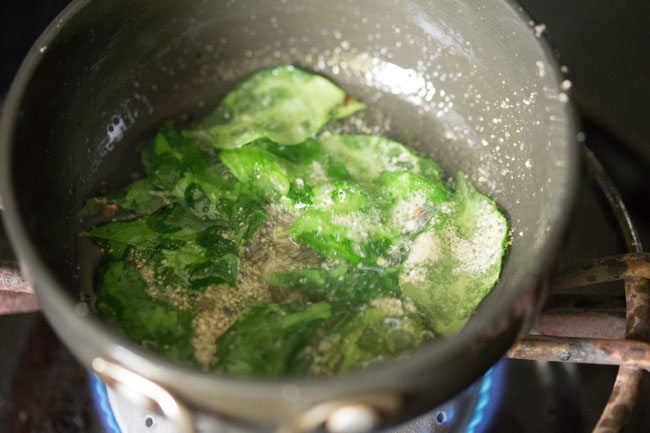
(123, 171)
(127, 168)
(270, 251)
(216, 309)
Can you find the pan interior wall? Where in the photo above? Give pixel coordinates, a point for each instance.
(439, 75)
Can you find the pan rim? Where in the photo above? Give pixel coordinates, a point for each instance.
(159, 368)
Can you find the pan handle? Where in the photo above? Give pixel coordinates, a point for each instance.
(16, 294)
(145, 393)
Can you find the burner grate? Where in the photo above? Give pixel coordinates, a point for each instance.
(632, 352)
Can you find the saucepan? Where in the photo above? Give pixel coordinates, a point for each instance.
(467, 82)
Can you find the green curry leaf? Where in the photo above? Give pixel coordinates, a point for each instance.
(341, 283)
(402, 255)
(342, 224)
(284, 104)
(262, 170)
(154, 323)
(266, 339)
(452, 266)
(364, 336)
(367, 156)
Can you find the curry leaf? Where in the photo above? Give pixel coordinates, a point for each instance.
(265, 340)
(169, 155)
(139, 198)
(154, 323)
(454, 265)
(409, 201)
(342, 283)
(366, 156)
(212, 197)
(284, 104)
(364, 336)
(264, 171)
(150, 231)
(342, 224)
(193, 266)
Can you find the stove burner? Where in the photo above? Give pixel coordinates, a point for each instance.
(44, 389)
(488, 397)
(469, 412)
(102, 405)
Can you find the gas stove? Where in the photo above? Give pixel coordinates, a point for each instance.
(44, 389)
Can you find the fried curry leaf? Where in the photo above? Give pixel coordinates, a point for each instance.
(138, 198)
(302, 155)
(451, 268)
(175, 248)
(153, 323)
(264, 171)
(266, 339)
(348, 108)
(166, 159)
(189, 266)
(366, 156)
(309, 162)
(169, 155)
(153, 231)
(342, 224)
(321, 338)
(284, 104)
(211, 197)
(364, 336)
(409, 201)
(342, 283)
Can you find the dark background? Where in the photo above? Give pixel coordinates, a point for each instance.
(604, 43)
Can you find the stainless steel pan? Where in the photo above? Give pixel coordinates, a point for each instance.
(468, 82)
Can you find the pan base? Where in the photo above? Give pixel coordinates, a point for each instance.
(469, 412)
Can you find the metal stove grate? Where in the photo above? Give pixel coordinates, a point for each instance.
(630, 351)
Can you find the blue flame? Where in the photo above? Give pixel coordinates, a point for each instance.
(450, 415)
(102, 405)
(490, 389)
(488, 397)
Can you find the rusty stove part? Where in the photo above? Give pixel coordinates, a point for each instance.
(608, 324)
(628, 353)
(606, 269)
(16, 295)
(633, 351)
(635, 269)
(637, 295)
